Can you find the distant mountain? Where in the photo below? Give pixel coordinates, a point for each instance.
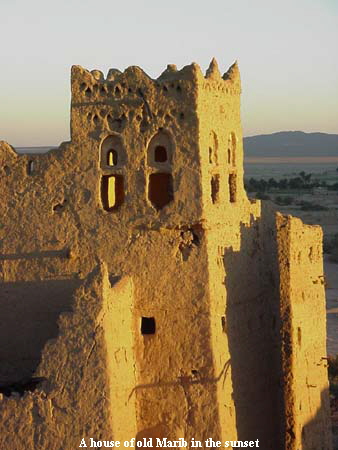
(291, 143)
(283, 143)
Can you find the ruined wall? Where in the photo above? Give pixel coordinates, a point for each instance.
(304, 335)
(71, 396)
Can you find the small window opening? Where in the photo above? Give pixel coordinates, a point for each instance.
(299, 336)
(112, 157)
(224, 325)
(112, 191)
(30, 167)
(210, 155)
(215, 188)
(160, 154)
(229, 156)
(232, 187)
(160, 189)
(148, 325)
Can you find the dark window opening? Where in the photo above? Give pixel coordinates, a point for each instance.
(30, 167)
(233, 147)
(148, 325)
(112, 191)
(215, 188)
(232, 187)
(224, 325)
(160, 154)
(160, 189)
(112, 158)
(210, 155)
(229, 156)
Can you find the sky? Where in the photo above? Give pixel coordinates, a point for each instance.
(286, 50)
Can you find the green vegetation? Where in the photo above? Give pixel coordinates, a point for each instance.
(304, 181)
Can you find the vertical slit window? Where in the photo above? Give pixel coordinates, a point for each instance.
(30, 167)
(232, 187)
(112, 158)
(112, 191)
(215, 189)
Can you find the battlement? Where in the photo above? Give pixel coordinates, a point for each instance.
(89, 86)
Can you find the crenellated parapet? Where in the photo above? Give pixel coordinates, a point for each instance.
(89, 86)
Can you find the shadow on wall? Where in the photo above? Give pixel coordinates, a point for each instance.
(317, 432)
(29, 315)
(252, 322)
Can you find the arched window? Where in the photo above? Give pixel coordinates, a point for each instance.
(232, 143)
(112, 152)
(160, 182)
(113, 158)
(213, 148)
(160, 149)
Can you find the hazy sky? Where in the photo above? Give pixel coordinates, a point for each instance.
(287, 52)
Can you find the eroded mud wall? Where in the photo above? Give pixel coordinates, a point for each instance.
(72, 398)
(304, 335)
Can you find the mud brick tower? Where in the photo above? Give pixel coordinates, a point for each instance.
(142, 293)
